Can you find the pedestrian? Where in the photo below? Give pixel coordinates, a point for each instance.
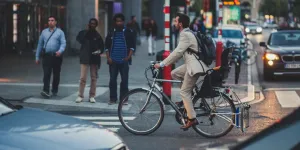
(51, 45)
(92, 46)
(134, 26)
(119, 46)
(192, 68)
(151, 31)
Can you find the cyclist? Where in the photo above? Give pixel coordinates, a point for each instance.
(190, 71)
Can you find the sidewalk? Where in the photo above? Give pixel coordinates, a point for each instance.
(21, 81)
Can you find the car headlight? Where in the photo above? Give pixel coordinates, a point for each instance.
(259, 29)
(270, 56)
(247, 30)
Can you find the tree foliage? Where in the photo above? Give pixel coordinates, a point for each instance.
(277, 8)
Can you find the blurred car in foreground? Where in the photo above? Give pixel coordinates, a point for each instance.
(34, 129)
(282, 54)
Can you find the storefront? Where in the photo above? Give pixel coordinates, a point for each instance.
(22, 22)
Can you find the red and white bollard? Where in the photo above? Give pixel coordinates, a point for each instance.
(167, 86)
(219, 46)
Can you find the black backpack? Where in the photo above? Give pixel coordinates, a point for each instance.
(206, 48)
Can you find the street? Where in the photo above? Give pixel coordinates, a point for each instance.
(279, 100)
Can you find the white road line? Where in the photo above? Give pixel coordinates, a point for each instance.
(288, 98)
(102, 118)
(114, 129)
(108, 123)
(281, 89)
(99, 91)
(35, 84)
(74, 104)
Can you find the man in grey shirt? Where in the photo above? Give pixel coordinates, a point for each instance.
(52, 44)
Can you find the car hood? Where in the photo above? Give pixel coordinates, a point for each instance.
(36, 129)
(285, 49)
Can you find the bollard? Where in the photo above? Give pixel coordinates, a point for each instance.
(219, 50)
(167, 86)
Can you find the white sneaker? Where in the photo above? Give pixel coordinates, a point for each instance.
(79, 100)
(92, 100)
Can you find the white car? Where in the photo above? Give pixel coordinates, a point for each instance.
(233, 33)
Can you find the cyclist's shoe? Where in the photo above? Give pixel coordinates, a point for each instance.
(190, 123)
(179, 104)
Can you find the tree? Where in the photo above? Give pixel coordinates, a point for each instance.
(277, 8)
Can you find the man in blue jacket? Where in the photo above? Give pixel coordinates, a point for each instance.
(119, 45)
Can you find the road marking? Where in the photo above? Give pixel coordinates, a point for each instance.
(74, 104)
(281, 89)
(288, 98)
(114, 129)
(103, 118)
(35, 84)
(99, 91)
(109, 122)
(102, 123)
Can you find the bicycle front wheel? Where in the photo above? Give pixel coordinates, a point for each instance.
(143, 113)
(249, 56)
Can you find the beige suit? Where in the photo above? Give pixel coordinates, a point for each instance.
(190, 71)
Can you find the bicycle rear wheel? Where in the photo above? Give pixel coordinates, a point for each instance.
(218, 121)
(250, 55)
(131, 115)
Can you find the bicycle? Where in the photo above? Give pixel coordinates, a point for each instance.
(202, 107)
(240, 54)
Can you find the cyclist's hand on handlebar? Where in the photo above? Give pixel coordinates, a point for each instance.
(157, 66)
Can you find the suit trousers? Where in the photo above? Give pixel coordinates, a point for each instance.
(83, 76)
(186, 88)
(51, 64)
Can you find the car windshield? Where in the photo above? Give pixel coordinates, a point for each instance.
(4, 109)
(285, 39)
(227, 33)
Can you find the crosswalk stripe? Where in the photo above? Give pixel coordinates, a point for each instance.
(288, 98)
(114, 129)
(103, 118)
(107, 123)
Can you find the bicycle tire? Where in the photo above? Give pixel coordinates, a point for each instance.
(233, 109)
(147, 132)
(252, 56)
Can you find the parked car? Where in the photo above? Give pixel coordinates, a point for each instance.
(34, 129)
(282, 54)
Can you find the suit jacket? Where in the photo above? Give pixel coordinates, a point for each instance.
(187, 41)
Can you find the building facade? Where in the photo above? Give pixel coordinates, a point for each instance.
(21, 21)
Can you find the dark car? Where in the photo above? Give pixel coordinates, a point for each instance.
(282, 54)
(34, 129)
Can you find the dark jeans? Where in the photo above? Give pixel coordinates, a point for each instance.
(51, 63)
(114, 70)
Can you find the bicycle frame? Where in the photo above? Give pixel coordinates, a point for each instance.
(154, 86)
